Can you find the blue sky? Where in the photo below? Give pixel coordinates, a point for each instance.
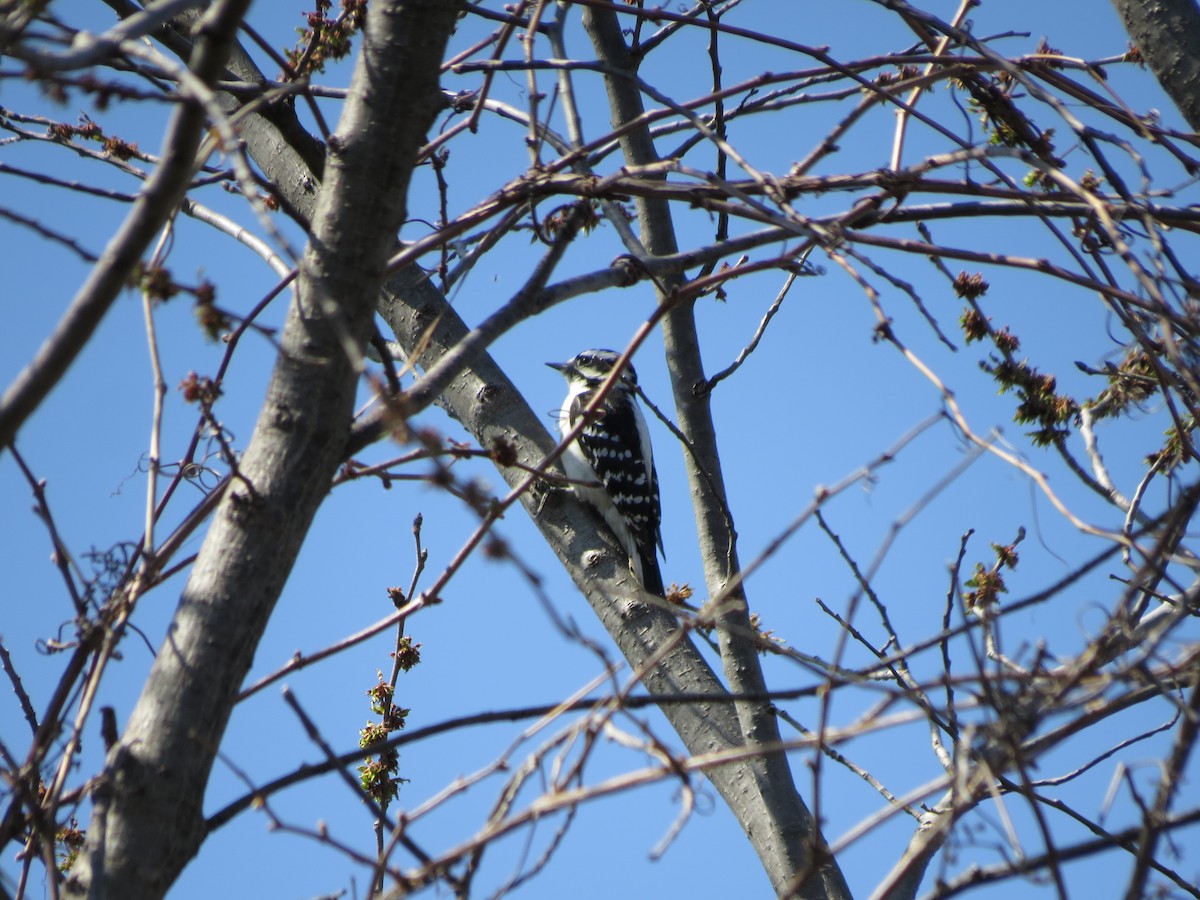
(818, 400)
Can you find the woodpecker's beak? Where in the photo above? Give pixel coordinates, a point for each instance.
(559, 367)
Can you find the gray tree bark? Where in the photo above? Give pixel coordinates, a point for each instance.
(1167, 32)
(147, 821)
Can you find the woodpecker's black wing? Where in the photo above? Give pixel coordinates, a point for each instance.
(615, 445)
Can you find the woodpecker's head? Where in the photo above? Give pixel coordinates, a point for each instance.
(591, 367)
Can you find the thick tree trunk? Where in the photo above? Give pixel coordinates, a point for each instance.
(147, 820)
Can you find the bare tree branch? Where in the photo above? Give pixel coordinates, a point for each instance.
(155, 203)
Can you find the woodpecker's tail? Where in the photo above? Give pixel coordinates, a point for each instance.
(651, 576)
